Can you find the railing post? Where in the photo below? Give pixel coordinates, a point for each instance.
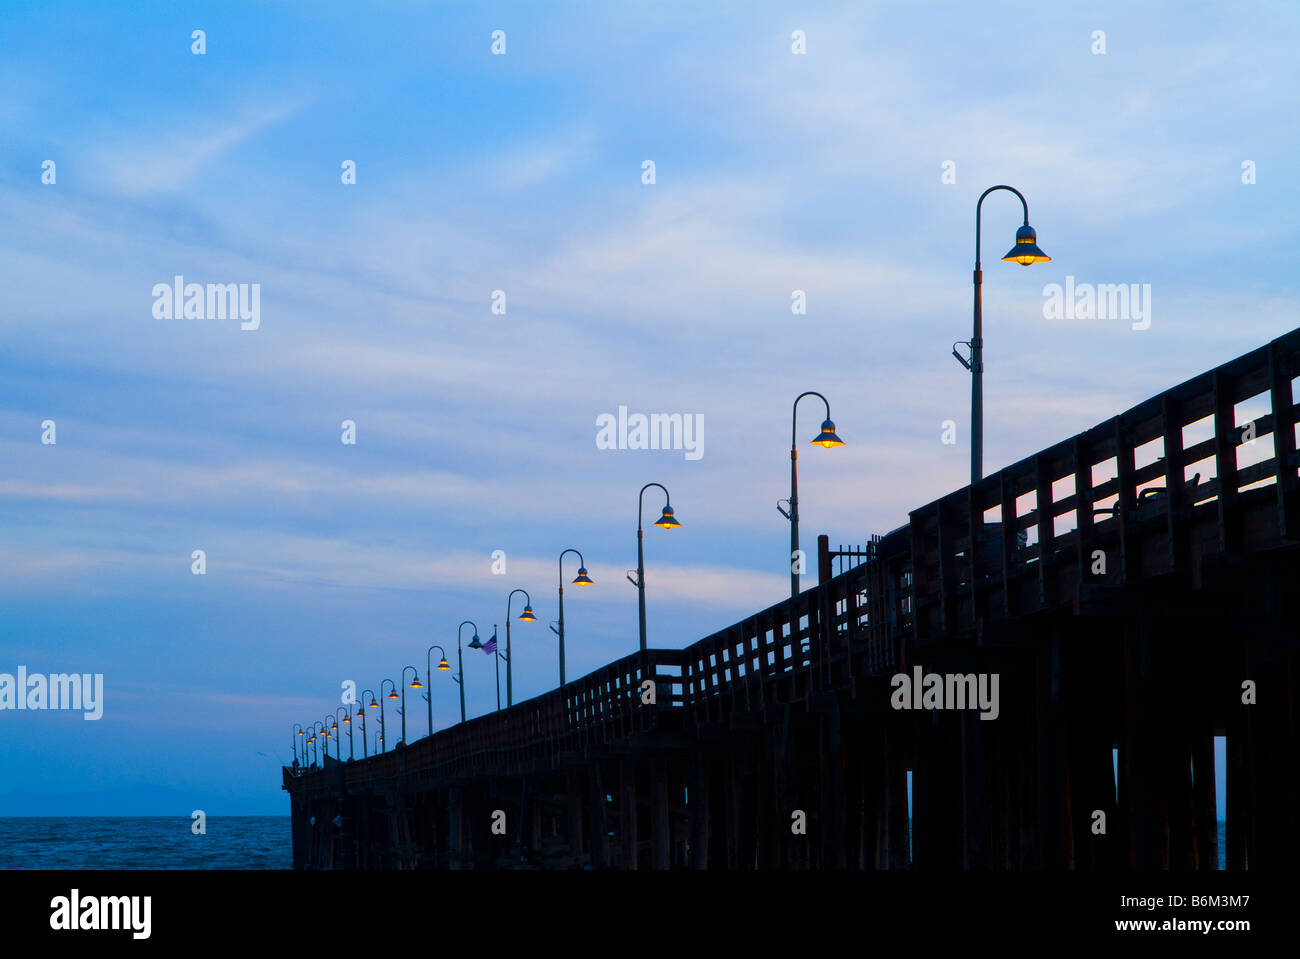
(1226, 440)
(823, 558)
(1284, 445)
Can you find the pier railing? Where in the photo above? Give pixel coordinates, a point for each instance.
(1208, 467)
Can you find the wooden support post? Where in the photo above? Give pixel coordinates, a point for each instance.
(1139, 750)
(734, 818)
(1240, 842)
(1207, 826)
(699, 805)
(456, 828)
(574, 790)
(974, 767)
(1052, 814)
(1272, 756)
(660, 857)
(628, 814)
(599, 819)
(897, 822)
(535, 821)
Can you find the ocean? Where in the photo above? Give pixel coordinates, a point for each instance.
(166, 842)
(145, 842)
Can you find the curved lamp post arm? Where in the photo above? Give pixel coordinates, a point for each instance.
(518, 589)
(794, 411)
(980, 202)
(640, 501)
(581, 562)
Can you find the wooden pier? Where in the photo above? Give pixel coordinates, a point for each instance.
(1122, 605)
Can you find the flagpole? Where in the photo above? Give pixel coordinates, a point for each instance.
(496, 662)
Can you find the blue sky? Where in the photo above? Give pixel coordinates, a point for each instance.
(476, 432)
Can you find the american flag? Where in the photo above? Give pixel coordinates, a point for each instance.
(490, 646)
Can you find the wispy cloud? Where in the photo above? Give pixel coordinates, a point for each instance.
(168, 153)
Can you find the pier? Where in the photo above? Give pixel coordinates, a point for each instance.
(1134, 588)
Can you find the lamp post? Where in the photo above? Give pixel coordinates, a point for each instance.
(383, 730)
(415, 684)
(666, 521)
(297, 726)
(826, 439)
(460, 660)
(1025, 252)
(527, 617)
(332, 723)
(428, 673)
(322, 748)
(361, 711)
(582, 579)
(347, 721)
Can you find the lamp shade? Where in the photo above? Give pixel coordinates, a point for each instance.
(527, 615)
(582, 579)
(1026, 250)
(827, 438)
(667, 520)
(443, 667)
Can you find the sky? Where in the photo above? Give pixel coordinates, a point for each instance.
(848, 172)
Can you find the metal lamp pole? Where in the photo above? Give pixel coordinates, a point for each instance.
(415, 684)
(825, 438)
(428, 672)
(582, 579)
(365, 743)
(383, 725)
(527, 617)
(347, 721)
(1025, 252)
(334, 723)
(460, 662)
(667, 521)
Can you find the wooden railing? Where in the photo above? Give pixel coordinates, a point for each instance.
(1207, 467)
